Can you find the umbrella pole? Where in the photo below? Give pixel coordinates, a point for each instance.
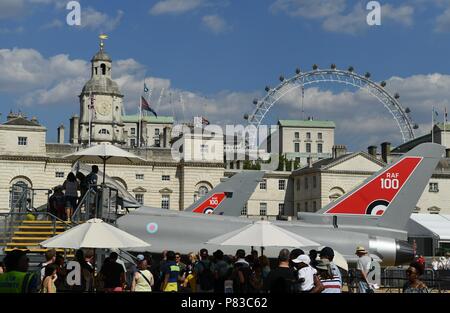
(262, 251)
(104, 170)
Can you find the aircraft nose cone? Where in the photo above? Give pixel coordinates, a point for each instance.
(404, 253)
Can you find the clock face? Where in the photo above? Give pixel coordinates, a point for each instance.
(103, 108)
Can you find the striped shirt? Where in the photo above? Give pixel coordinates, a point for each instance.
(331, 285)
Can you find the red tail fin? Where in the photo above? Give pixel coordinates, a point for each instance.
(374, 197)
(210, 204)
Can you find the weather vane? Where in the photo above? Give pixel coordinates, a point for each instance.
(102, 37)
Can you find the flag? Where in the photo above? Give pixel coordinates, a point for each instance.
(205, 121)
(145, 106)
(146, 88)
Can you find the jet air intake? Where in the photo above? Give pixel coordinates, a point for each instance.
(392, 252)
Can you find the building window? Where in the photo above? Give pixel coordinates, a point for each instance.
(314, 182)
(17, 193)
(140, 176)
(244, 210)
(281, 209)
(297, 135)
(306, 206)
(165, 177)
(297, 147)
(23, 141)
(263, 209)
(133, 131)
(165, 202)
(319, 148)
(281, 184)
(263, 185)
(157, 143)
(308, 136)
(314, 206)
(308, 148)
(59, 174)
(133, 142)
(306, 182)
(156, 131)
(204, 148)
(434, 187)
(103, 131)
(140, 198)
(298, 207)
(203, 191)
(319, 136)
(297, 183)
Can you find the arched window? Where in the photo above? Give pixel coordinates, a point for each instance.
(103, 67)
(335, 193)
(19, 193)
(202, 191)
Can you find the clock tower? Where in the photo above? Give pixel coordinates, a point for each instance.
(101, 104)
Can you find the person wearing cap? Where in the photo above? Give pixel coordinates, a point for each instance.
(16, 278)
(329, 281)
(327, 253)
(362, 269)
(309, 282)
(282, 278)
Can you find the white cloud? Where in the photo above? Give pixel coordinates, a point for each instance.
(93, 19)
(175, 6)
(336, 16)
(443, 22)
(309, 9)
(53, 24)
(11, 8)
(215, 24)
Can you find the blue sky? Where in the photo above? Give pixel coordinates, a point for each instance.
(220, 54)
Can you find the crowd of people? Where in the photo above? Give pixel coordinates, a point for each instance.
(66, 197)
(294, 272)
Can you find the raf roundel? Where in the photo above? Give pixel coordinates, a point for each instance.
(377, 207)
(152, 228)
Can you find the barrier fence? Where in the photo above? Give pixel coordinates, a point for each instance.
(394, 278)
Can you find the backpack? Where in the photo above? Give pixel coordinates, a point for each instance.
(206, 277)
(246, 273)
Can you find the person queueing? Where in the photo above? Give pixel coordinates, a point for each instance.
(329, 281)
(143, 279)
(50, 276)
(71, 187)
(414, 285)
(171, 273)
(16, 278)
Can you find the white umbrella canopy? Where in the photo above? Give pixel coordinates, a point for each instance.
(104, 153)
(262, 234)
(94, 234)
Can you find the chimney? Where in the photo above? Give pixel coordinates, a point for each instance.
(34, 120)
(339, 150)
(447, 153)
(74, 129)
(372, 150)
(385, 151)
(61, 134)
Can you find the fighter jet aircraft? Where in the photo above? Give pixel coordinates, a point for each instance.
(373, 215)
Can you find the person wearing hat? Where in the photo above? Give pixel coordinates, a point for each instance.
(329, 281)
(362, 269)
(16, 278)
(309, 282)
(327, 253)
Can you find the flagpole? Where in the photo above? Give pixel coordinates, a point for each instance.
(140, 122)
(90, 118)
(432, 125)
(445, 122)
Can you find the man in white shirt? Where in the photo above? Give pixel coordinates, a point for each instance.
(307, 275)
(363, 268)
